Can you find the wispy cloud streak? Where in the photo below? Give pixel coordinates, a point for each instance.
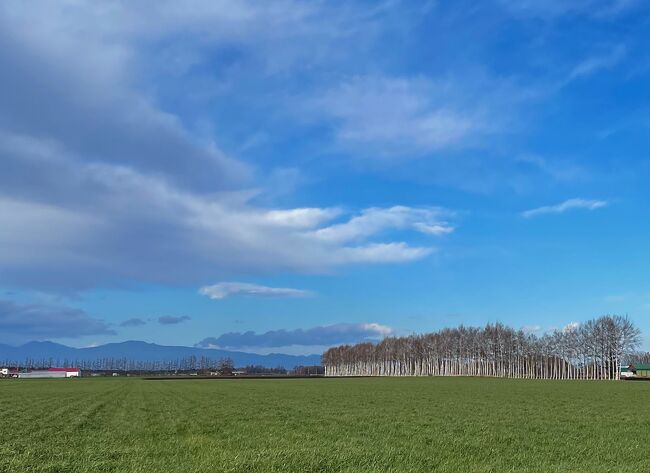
(565, 206)
(223, 290)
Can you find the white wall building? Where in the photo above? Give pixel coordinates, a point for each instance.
(52, 373)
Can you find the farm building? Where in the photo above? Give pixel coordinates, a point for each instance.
(640, 370)
(69, 372)
(626, 372)
(8, 372)
(52, 373)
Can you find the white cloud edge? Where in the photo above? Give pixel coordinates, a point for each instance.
(570, 204)
(224, 290)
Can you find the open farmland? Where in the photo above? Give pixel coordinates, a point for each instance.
(361, 424)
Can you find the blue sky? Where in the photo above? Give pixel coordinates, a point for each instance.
(284, 176)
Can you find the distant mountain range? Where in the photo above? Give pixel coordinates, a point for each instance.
(146, 352)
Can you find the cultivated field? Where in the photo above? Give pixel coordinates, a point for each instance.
(355, 425)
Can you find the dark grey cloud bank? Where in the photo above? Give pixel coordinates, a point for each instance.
(135, 322)
(78, 96)
(23, 322)
(316, 336)
(171, 320)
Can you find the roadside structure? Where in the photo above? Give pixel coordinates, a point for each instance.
(52, 373)
(639, 371)
(626, 373)
(8, 372)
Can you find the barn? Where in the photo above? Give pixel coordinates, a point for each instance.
(69, 372)
(52, 373)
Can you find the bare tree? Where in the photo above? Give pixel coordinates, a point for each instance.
(594, 350)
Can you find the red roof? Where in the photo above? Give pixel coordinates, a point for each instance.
(67, 370)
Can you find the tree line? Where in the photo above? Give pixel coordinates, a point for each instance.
(123, 364)
(202, 364)
(595, 349)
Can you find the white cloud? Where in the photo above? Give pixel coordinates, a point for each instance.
(121, 30)
(380, 253)
(596, 63)
(132, 226)
(571, 327)
(98, 179)
(301, 218)
(374, 220)
(388, 117)
(223, 290)
(559, 170)
(532, 328)
(564, 206)
(378, 330)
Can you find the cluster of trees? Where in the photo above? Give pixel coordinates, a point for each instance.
(259, 369)
(639, 358)
(296, 371)
(202, 365)
(308, 371)
(593, 350)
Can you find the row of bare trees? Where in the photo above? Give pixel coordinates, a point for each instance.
(121, 364)
(593, 350)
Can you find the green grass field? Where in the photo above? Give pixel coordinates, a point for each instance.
(355, 425)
